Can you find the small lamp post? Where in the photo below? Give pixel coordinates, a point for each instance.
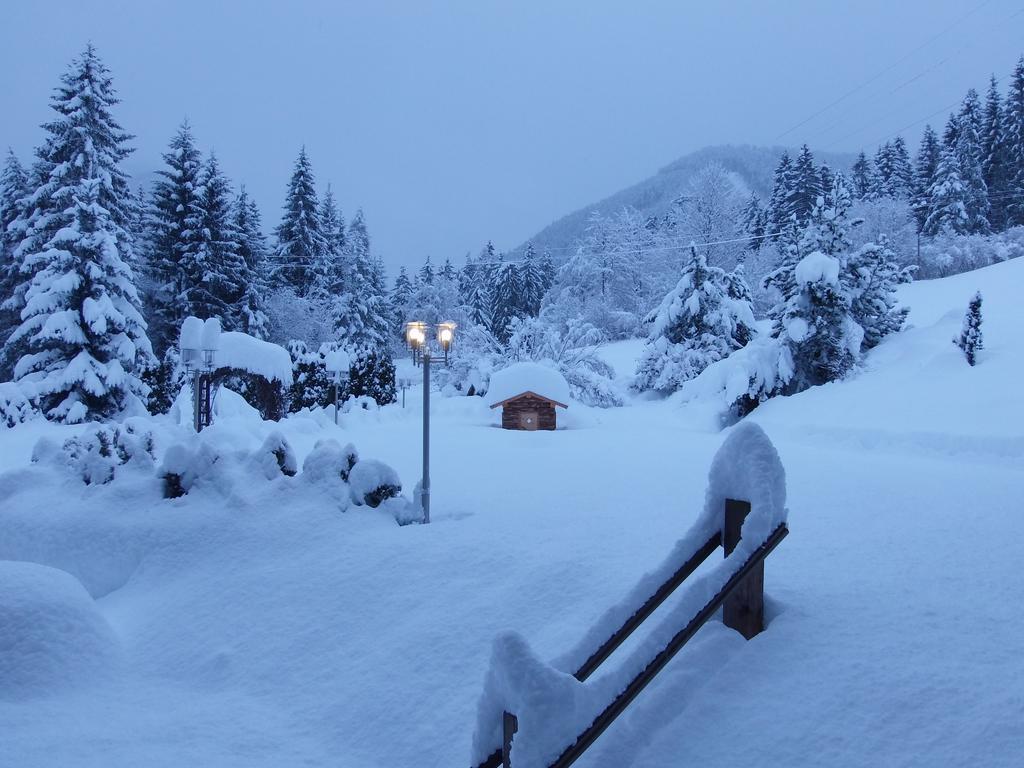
(419, 343)
(338, 365)
(199, 343)
(404, 382)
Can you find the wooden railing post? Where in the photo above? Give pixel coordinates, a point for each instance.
(509, 726)
(743, 610)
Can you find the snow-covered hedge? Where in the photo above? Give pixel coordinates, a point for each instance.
(96, 454)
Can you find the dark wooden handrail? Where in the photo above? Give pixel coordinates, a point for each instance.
(619, 637)
(613, 710)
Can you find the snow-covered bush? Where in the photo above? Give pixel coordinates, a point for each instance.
(404, 511)
(276, 457)
(183, 466)
(372, 482)
(328, 461)
(15, 405)
(950, 254)
(873, 276)
(373, 375)
(95, 454)
(971, 339)
(705, 318)
(311, 383)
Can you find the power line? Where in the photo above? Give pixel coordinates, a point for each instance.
(885, 71)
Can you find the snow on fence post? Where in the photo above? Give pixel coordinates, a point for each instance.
(743, 609)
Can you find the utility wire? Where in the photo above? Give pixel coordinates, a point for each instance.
(885, 71)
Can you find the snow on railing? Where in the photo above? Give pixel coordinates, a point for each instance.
(552, 705)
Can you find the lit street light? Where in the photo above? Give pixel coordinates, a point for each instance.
(419, 343)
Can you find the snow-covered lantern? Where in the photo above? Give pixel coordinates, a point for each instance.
(210, 341)
(445, 337)
(338, 364)
(190, 342)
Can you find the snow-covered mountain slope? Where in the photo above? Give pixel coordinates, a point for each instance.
(253, 623)
(751, 167)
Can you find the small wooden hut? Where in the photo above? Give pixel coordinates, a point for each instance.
(528, 395)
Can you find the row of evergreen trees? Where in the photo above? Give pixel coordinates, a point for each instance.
(968, 181)
(95, 280)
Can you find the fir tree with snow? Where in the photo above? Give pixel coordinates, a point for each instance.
(373, 375)
(252, 248)
(507, 299)
(947, 209)
(698, 323)
(85, 335)
(874, 274)
(213, 271)
(532, 282)
(1013, 128)
(330, 273)
(925, 167)
(362, 317)
(861, 177)
(969, 152)
(168, 236)
(995, 159)
(779, 211)
(755, 222)
(426, 273)
(13, 188)
(300, 243)
(401, 294)
(971, 339)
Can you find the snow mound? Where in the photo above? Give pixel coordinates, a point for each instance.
(247, 353)
(527, 377)
(51, 634)
(372, 482)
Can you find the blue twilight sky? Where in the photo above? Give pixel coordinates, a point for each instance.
(454, 123)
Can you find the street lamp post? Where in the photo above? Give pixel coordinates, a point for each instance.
(419, 343)
(338, 364)
(404, 383)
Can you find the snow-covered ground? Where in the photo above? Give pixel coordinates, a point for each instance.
(254, 623)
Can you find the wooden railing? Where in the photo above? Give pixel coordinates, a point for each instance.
(741, 599)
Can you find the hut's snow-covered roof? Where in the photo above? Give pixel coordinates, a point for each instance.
(520, 378)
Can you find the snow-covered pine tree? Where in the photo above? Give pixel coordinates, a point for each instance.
(995, 160)
(874, 273)
(547, 270)
(947, 211)
(373, 375)
(252, 247)
(861, 178)
(300, 243)
(507, 299)
(330, 272)
(86, 337)
(13, 188)
(807, 186)
(812, 319)
(532, 280)
(1013, 128)
(881, 180)
(779, 213)
(448, 271)
(971, 339)
(755, 222)
(902, 180)
(970, 155)
(401, 294)
(362, 315)
(168, 237)
(426, 273)
(214, 273)
(925, 167)
(696, 324)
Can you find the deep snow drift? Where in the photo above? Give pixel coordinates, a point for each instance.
(269, 621)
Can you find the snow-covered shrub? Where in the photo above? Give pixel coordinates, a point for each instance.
(950, 254)
(372, 482)
(311, 383)
(404, 511)
(699, 322)
(96, 453)
(265, 395)
(276, 457)
(15, 406)
(183, 466)
(328, 461)
(164, 379)
(373, 375)
(971, 339)
(873, 276)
